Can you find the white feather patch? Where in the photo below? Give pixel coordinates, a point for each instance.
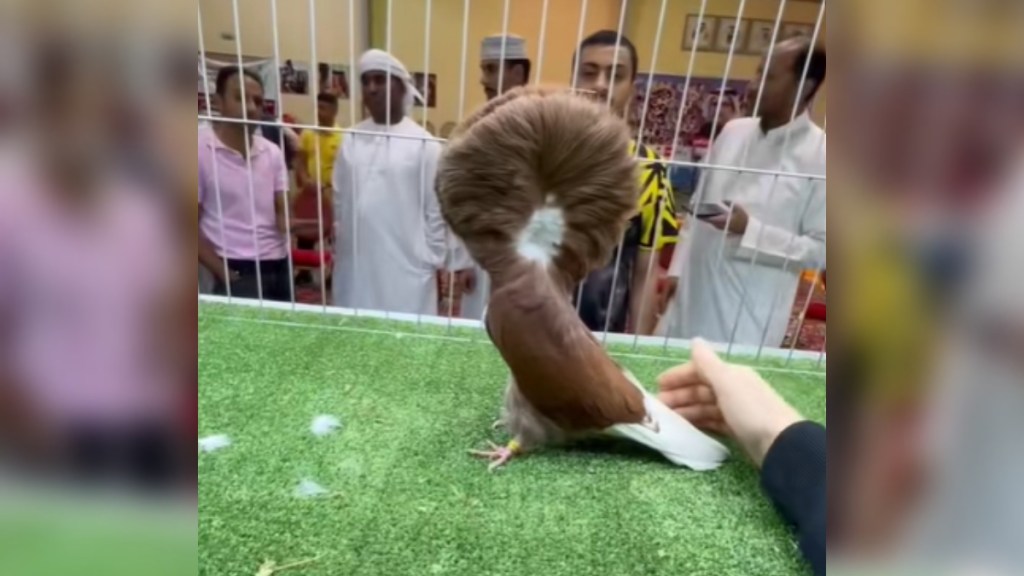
(544, 233)
(213, 443)
(672, 435)
(324, 426)
(307, 489)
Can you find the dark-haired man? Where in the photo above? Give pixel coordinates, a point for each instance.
(739, 271)
(243, 187)
(623, 293)
(504, 64)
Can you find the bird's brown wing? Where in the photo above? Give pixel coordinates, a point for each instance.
(558, 364)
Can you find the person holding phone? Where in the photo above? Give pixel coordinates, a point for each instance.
(756, 228)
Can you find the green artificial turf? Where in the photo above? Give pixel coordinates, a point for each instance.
(407, 499)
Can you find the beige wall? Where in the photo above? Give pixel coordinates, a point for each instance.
(256, 32)
(407, 33)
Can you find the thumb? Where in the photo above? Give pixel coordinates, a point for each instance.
(708, 363)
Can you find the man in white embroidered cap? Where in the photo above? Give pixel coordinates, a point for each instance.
(504, 64)
(392, 238)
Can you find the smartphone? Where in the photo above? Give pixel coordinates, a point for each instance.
(707, 210)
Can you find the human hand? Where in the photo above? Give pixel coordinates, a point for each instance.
(728, 400)
(224, 273)
(668, 295)
(737, 221)
(445, 282)
(465, 281)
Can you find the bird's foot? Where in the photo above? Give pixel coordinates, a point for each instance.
(498, 455)
(499, 423)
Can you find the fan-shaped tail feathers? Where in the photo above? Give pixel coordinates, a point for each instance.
(672, 435)
(539, 175)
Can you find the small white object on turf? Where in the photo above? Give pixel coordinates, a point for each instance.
(324, 426)
(308, 489)
(214, 443)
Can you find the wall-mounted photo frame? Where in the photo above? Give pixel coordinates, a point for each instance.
(759, 38)
(730, 32)
(334, 79)
(427, 87)
(704, 38)
(792, 30)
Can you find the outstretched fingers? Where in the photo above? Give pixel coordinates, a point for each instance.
(683, 376)
(695, 395)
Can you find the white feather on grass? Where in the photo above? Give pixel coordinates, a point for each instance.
(213, 443)
(324, 426)
(308, 489)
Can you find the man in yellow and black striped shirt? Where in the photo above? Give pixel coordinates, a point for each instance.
(623, 295)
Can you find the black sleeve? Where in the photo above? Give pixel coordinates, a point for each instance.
(795, 477)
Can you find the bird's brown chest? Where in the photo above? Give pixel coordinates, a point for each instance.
(558, 365)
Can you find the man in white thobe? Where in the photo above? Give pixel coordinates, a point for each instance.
(739, 272)
(392, 239)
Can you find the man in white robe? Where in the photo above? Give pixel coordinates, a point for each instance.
(391, 237)
(739, 272)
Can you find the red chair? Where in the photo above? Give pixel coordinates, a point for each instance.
(306, 232)
(816, 311)
(664, 265)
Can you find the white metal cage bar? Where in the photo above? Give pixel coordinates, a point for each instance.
(280, 122)
(248, 156)
(639, 144)
(666, 162)
(317, 162)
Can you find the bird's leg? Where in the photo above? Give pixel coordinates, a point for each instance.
(498, 455)
(499, 423)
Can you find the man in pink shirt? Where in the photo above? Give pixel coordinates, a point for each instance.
(243, 187)
(90, 287)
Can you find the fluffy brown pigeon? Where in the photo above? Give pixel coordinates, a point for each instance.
(539, 186)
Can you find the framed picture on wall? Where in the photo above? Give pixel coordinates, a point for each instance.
(730, 34)
(427, 87)
(334, 80)
(759, 38)
(294, 77)
(703, 36)
(793, 30)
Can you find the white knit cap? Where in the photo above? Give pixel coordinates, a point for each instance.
(513, 47)
(380, 61)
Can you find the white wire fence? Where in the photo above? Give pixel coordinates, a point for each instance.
(775, 179)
